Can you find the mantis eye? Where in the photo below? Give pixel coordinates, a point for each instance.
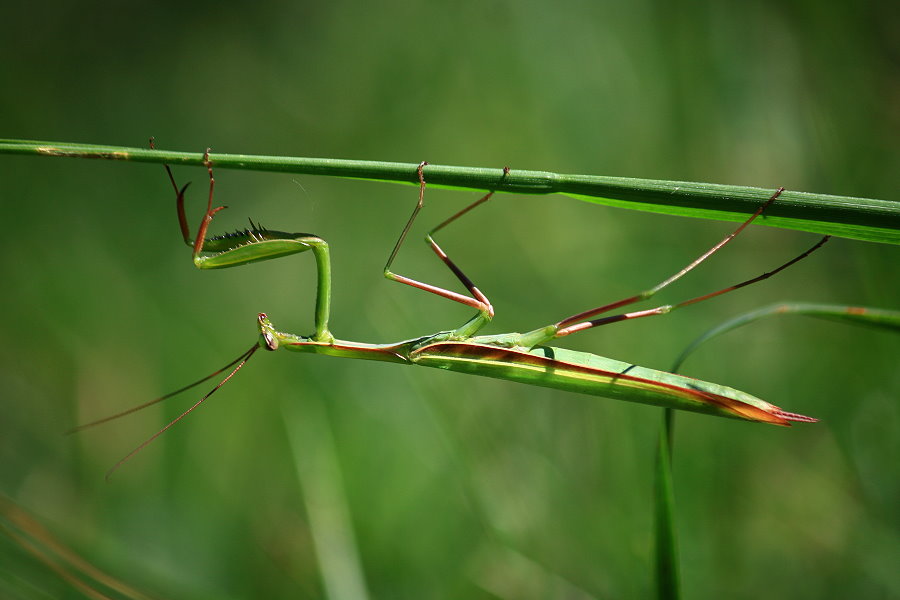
(271, 342)
(267, 333)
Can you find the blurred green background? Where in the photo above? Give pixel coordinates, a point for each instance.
(309, 476)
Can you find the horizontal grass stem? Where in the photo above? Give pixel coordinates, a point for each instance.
(841, 216)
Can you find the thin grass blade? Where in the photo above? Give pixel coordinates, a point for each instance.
(878, 318)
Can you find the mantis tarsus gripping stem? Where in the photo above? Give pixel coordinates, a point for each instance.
(210, 211)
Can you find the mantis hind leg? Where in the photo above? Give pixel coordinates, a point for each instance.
(583, 320)
(477, 300)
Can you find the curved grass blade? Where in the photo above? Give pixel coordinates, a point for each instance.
(879, 318)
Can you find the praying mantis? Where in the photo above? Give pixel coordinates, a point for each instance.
(519, 357)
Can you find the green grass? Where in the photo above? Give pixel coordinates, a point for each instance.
(455, 487)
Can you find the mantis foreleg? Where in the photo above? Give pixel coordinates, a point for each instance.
(253, 245)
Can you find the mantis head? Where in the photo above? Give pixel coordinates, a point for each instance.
(267, 337)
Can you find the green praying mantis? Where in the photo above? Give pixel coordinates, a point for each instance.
(520, 357)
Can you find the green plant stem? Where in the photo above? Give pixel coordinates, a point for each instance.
(668, 582)
(842, 216)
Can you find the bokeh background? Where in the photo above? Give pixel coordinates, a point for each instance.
(314, 477)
